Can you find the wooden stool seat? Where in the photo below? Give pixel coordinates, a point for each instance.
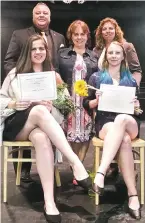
(136, 143)
(20, 160)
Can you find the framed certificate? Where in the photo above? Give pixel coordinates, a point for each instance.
(37, 86)
(117, 99)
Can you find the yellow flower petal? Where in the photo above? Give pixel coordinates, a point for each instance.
(80, 88)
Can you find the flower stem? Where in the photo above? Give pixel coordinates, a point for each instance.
(93, 88)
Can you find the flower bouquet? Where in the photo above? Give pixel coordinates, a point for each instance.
(63, 102)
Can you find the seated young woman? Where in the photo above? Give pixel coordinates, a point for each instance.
(25, 120)
(117, 130)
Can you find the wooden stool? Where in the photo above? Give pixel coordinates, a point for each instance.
(20, 159)
(136, 143)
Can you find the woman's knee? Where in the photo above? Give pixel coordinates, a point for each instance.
(107, 127)
(38, 137)
(121, 119)
(39, 112)
(126, 139)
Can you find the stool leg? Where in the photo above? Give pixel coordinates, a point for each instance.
(142, 173)
(5, 174)
(19, 167)
(57, 177)
(97, 161)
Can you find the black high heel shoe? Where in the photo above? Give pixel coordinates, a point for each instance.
(99, 190)
(136, 214)
(52, 218)
(86, 183)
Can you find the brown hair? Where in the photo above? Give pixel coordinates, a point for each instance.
(74, 25)
(24, 63)
(124, 64)
(100, 43)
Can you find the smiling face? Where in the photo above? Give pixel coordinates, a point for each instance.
(108, 32)
(38, 52)
(41, 16)
(79, 38)
(114, 54)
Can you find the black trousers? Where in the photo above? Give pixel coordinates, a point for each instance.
(26, 167)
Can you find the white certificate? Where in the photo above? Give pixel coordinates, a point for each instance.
(117, 99)
(37, 86)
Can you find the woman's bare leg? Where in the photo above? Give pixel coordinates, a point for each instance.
(126, 164)
(80, 149)
(113, 135)
(40, 117)
(45, 167)
(83, 150)
(75, 147)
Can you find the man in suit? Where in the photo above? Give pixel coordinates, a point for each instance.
(41, 21)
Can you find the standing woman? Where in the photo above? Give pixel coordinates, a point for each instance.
(25, 120)
(75, 63)
(108, 31)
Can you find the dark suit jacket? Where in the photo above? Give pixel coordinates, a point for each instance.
(19, 39)
(132, 58)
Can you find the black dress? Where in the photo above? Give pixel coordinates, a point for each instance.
(103, 117)
(14, 124)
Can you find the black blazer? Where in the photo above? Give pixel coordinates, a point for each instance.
(67, 58)
(19, 39)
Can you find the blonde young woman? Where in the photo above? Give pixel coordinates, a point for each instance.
(117, 130)
(25, 120)
(107, 31)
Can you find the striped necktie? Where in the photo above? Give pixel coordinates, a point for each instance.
(44, 37)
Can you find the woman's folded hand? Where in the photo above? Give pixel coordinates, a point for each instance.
(98, 94)
(47, 104)
(93, 103)
(19, 105)
(137, 109)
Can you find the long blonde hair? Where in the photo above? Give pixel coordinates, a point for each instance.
(124, 64)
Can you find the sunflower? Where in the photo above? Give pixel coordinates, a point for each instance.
(80, 88)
